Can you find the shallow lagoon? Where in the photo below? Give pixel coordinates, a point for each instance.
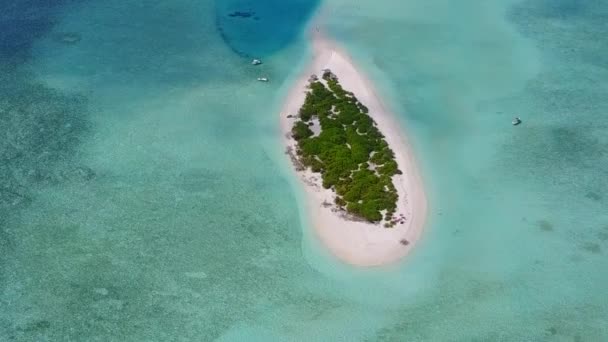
(159, 207)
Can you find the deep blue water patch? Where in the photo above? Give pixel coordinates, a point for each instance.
(22, 22)
(41, 128)
(260, 28)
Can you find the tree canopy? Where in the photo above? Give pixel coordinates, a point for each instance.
(350, 152)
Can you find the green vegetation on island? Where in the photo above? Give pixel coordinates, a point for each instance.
(349, 151)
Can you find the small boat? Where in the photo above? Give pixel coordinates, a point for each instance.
(516, 121)
(262, 79)
(256, 62)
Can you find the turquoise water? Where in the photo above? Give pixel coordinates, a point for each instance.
(145, 196)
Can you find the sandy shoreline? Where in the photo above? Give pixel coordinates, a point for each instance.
(358, 243)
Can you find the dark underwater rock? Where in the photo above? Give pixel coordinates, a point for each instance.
(68, 38)
(239, 14)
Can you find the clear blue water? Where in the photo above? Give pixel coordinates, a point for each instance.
(144, 194)
(262, 28)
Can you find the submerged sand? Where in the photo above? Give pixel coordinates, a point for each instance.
(355, 242)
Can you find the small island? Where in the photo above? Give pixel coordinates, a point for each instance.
(362, 193)
(338, 139)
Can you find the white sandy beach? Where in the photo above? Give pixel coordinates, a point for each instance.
(354, 242)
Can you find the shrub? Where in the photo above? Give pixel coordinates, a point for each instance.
(348, 144)
(301, 131)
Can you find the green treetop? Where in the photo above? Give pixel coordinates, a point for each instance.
(349, 152)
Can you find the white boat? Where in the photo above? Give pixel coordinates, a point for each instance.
(516, 121)
(256, 62)
(262, 79)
